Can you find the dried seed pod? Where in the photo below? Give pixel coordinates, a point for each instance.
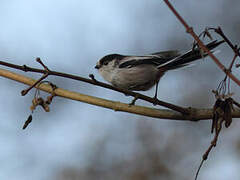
(217, 104)
(45, 107)
(29, 120)
(49, 99)
(32, 107)
(214, 121)
(217, 110)
(40, 101)
(35, 101)
(231, 103)
(228, 112)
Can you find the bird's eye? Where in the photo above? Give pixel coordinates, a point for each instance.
(105, 63)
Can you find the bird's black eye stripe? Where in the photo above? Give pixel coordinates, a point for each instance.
(105, 62)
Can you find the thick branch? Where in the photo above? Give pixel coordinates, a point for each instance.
(196, 114)
(97, 83)
(200, 43)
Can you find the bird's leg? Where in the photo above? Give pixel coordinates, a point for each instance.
(155, 96)
(133, 101)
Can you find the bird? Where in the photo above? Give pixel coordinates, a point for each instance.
(141, 73)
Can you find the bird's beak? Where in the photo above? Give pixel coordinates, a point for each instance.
(97, 66)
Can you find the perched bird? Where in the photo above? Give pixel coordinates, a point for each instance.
(140, 73)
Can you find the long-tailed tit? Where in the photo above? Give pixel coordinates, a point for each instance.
(140, 73)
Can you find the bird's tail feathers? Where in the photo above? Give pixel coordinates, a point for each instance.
(188, 57)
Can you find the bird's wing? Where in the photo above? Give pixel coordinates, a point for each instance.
(131, 61)
(167, 54)
(155, 59)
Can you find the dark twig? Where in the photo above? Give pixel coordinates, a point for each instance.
(43, 65)
(229, 70)
(25, 91)
(45, 75)
(236, 103)
(92, 77)
(199, 168)
(234, 48)
(98, 83)
(233, 60)
(213, 144)
(200, 43)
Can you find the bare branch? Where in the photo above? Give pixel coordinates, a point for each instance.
(195, 115)
(98, 83)
(200, 43)
(25, 91)
(234, 48)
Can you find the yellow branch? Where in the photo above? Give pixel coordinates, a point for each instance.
(197, 114)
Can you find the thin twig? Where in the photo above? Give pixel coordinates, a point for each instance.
(43, 65)
(45, 75)
(229, 70)
(234, 48)
(25, 91)
(195, 115)
(233, 60)
(236, 103)
(200, 43)
(98, 83)
(213, 144)
(199, 168)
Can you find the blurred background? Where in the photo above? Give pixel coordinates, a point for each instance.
(80, 141)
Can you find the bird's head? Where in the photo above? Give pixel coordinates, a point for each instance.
(108, 65)
(108, 61)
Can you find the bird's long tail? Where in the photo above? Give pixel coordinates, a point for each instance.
(192, 55)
